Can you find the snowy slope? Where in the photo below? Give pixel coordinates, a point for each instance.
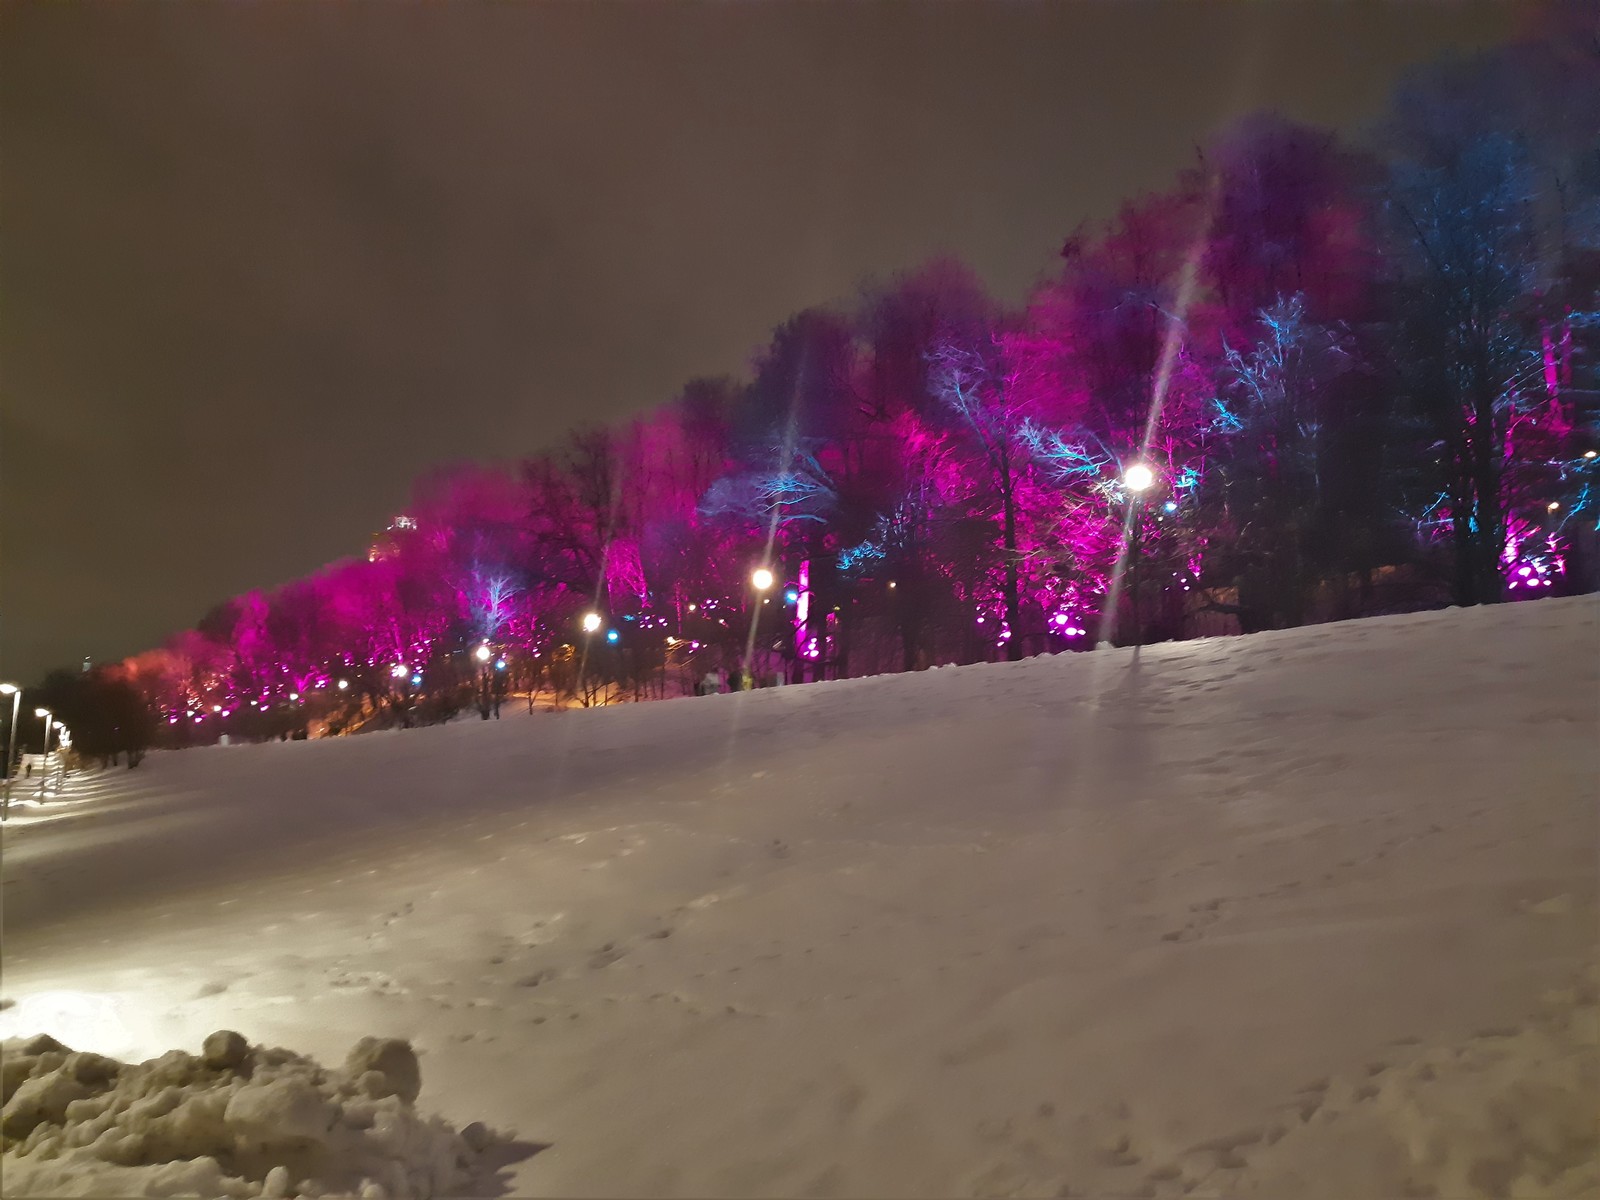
(1309, 913)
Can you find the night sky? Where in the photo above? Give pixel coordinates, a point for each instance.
(262, 266)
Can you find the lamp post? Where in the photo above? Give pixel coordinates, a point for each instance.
(762, 580)
(15, 692)
(1138, 479)
(44, 773)
(483, 655)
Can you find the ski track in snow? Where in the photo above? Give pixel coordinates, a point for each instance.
(1306, 913)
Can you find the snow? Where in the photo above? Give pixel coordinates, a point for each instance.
(1308, 913)
(236, 1121)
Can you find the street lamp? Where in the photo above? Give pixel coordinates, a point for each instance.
(761, 578)
(15, 692)
(591, 622)
(1138, 479)
(44, 773)
(482, 653)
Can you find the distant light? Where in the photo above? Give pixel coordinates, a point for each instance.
(1138, 477)
(7, 689)
(41, 712)
(216, 708)
(591, 621)
(398, 670)
(416, 681)
(1590, 453)
(482, 653)
(691, 608)
(1170, 506)
(671, 641)
(612, 635)
(1525, 571)
(762, 578)
(344, 685)
(294, 695)
(1552, 506)
(791, 596)
(499, 664)
(891, 583)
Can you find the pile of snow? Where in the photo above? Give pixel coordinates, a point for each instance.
(236, 1120)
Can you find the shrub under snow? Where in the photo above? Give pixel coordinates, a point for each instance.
(235, 1120)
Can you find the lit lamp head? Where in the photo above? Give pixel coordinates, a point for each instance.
(398, 670)
(761, 578)
(482, 653)
(344, 685)
(591, 622)
(1138, 478)
(41, 712)
(9, 689)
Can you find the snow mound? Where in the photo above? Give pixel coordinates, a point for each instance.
(235, 1121)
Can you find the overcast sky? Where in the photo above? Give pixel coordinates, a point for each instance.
(260, 266)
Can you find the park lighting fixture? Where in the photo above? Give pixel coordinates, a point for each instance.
(1138, 478)
(482, 653)
(41, 712)
(294, 695)
(499, 664)
(416, 680)
(761, 578)
(398, 670)
(1170, 506)
(612, 635)
(344, 685)
(216, 708)
(1591, 453)
(891, 583)
(591, 622)
(1552, 506)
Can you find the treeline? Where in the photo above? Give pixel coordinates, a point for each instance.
(1361, 378)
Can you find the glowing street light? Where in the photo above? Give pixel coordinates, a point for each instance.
(15, 692)
(1138, 478)
(398, 671)
(48, 716)
(1552, 506)
(591, 622)
(482, 653)
(344, 685)
(761, 578)
(1591, 453)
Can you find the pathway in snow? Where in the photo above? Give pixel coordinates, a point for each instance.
(1309, 913)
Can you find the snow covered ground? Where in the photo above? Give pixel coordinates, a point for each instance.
(1304, 914)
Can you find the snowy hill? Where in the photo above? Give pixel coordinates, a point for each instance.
(1305, 914)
